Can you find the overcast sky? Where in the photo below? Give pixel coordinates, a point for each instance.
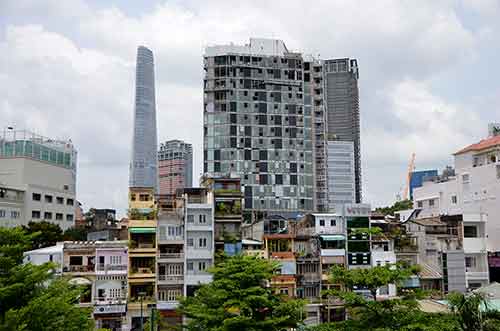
(429, 76)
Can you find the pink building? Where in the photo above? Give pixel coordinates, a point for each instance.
(175, 166)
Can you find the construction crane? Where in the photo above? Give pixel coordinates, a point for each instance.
(411, 168)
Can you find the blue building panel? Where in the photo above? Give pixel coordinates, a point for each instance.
(418, 177)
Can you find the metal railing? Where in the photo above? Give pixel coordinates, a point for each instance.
(171, 255)
(111, 267)
(80, 268)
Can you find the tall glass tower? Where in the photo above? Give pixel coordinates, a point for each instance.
(144, 161)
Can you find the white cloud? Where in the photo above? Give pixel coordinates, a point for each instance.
(68, 70)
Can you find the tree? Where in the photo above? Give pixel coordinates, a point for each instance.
(371, 278)
(397, 206)
(75, 234)
(401, 313)
(49, 234)
(469, 312)
(237, 299)
(31, 298)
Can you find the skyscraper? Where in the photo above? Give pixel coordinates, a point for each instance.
(143, 164)
(342, 108)
(334, 86)
(256, 124)
(175, 166)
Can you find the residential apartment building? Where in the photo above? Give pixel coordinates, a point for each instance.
(101, 268)
(228, 200)
(472, 192)
(256, 125)
(37, 179)
(175, 166)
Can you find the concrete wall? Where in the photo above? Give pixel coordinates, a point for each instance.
(45, 179)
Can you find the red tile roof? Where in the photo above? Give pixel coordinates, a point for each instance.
(483, 144)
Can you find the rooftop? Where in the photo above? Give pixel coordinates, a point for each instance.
(483, 144)
(257, 46)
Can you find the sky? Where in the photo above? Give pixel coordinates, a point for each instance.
(429, 75)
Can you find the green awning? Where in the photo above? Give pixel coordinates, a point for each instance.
(331, 237)
(142, 230)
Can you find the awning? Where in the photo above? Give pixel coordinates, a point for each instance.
(80, 281)
(331, 237)
(142, 230)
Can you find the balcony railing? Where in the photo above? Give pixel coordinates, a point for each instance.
(110, 301)
(80, 268)
(111, 267)
(171, 255)
(172, 279)
(142, 270)
(171, 238)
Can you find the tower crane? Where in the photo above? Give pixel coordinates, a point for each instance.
(411, 168)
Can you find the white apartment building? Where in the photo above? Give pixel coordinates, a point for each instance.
(474, 192)
(37, 180)
(199, 235)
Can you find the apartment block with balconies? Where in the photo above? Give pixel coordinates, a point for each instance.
(228, 213)
(198, 206)
(475, 250)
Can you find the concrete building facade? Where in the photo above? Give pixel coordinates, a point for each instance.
(175, 166)
(37, 180)
(256, 124)
(341, 175)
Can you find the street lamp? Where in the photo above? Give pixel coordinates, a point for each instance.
(142, 294)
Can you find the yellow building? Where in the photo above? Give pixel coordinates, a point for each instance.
(142, 250)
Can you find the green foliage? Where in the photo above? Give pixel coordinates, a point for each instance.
(468, 310)
(371, 278)
(136, 214)
(55, 309)
(400, 313)
(397, 206)
(237, 299)
(48, 233)
(30, 298)
(75, 234)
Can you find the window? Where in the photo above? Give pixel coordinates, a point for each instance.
(2, 213)
(333, 223)
(115, 260)
(454, 199)
(284, 291)
(202, 242)
(47, 215)
(202, 219)
(75, 260)
(190, 266)
(59, 217)
(69, 202)
(48, 198)
(69, 217)
(420, 204)
(465, 178)
(59, 200)
(470, 262)
(36, 196)
(202, 266)
(190, 242)
(190, 219)
(35, 214)
(15, 214)
(431, 202)
(321, 222)
(470, 231)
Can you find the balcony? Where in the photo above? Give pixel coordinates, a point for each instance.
(171, 239)
(475, 245)
(170, 257)
(89, 268)
(102, 268)
(141, 272)
(198, 278)
(171, 279)
(205, 253)
(476, 274)
(332, 252)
